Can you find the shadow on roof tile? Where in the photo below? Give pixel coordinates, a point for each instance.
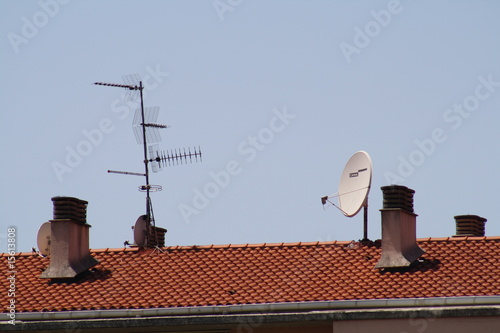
(421, 265)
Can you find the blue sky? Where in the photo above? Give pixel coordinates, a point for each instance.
(278, 95)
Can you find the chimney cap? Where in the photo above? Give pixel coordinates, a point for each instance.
(469, 225)
(62, 198)
(70, 208)
(470, 217)
(396, 188)
(398, 196)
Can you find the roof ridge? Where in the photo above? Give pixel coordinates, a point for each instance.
(459, 238)
(117, 249)
(227, 246)
(19, 254)
(289, 244)
(257, 245)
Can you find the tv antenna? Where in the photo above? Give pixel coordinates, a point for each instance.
(147, 134)
(354, 187)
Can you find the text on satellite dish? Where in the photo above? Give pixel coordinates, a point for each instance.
(355, 174)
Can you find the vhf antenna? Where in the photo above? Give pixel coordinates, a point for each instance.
(146, 131)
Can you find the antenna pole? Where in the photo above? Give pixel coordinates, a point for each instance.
(146, 169)
(365, 220)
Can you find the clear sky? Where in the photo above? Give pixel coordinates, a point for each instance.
(278, 95)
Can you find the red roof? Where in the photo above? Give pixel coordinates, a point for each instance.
(180, 276)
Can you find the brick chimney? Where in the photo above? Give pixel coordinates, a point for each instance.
(469, 225)
(399, 240)
(69, 236)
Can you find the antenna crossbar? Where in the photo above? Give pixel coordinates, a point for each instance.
(174, 157)
(127, 173)
(147, 124)
(126, 86)
(155, 125)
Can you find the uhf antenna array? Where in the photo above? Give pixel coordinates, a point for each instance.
(147, 133)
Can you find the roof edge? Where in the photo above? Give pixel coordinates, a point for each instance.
(459, 238)
(229, 321)
(400, 303)
(293, 244)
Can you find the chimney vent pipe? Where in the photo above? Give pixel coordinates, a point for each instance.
(399, 240)
(69, 236)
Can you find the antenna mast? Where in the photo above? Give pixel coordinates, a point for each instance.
(145, 147)
(145, 128)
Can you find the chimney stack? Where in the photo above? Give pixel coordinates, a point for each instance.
(469, 225)
(399, 229)
(69, 248)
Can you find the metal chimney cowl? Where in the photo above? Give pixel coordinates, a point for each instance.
(399, 233)
(69, 248)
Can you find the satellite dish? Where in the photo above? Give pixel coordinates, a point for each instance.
(140, 230)
(43, 239)
(354, 187)
(355, 183)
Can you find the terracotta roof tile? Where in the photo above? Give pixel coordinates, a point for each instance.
(177, 276)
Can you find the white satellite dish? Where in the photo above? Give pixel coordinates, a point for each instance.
(355, 183)
(43, 239)
(354, 187)
(141, 230)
